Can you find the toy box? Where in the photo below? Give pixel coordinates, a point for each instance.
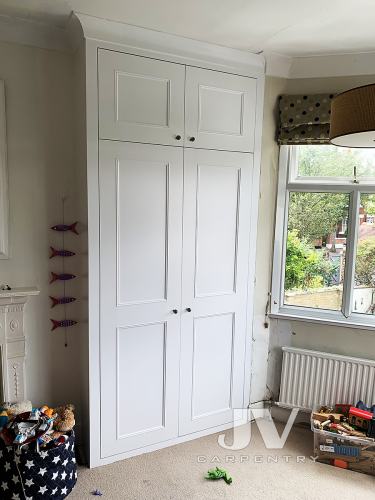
(27, 473)
(348, 452)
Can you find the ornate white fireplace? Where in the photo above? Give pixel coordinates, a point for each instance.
(12, 343)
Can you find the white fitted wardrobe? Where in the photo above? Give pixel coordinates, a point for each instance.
(173, 138)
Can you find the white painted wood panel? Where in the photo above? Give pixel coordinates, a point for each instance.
(214, 293)
(142, 192)
(216, 229)
(139, 333)
(140, 99)
(212, 354)
(220, 110)
(141, 387)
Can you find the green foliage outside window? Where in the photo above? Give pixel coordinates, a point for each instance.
(365, 263)
(316, 215)
(330, 161)
(368, 203)
(305, 267)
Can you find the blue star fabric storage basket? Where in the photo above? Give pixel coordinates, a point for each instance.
(31, 475)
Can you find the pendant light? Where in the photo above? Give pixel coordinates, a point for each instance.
(353, 118)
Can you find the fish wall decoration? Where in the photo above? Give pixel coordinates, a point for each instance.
(61, 300)
(60, 253)
(64, 323)
(61, 277)
(66, 227)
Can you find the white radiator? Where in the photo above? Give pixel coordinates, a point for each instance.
(310, 378)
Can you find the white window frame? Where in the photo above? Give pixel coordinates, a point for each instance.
(288, 182)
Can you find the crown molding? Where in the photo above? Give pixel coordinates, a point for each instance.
(278, 65)
(362, 63)
(126, 37)
(320, 66)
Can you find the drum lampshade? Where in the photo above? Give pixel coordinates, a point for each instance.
(353, 118)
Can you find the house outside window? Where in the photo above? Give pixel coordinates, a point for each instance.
(324, 256)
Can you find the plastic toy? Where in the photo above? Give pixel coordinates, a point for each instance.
(362, 419)
(342, 408)
(361, 405)
(219, 473)
(338, 423)
(47, 411)
(3, 418)
(23, 429)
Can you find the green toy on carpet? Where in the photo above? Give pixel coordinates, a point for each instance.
(218, 473)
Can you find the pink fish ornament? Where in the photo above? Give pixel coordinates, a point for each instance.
(61, 300)
(60, 253)
(64, 323)
(61, 277)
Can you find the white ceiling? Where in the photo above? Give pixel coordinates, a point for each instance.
(289, 27)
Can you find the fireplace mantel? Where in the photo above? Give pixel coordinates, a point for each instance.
(12, 342)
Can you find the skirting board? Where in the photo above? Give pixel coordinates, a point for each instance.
(165, 444)
(281, 413)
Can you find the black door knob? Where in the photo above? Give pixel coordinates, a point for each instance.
(192, 139)
(174, 311)
(188, 309)
(178, 138)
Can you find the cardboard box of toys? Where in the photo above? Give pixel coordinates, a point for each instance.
(344, 436)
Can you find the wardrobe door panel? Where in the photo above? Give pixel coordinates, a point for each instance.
(220, 110)
(140, 99)
(216, 230)
(217, 194)
(140, 278)
(213, 347)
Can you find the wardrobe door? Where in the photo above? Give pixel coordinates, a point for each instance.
(220, 110)
(217, 193)
(140, 99)
(140, 293)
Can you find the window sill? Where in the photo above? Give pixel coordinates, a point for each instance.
(323, 317)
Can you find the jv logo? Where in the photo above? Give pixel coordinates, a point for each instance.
(267, 428)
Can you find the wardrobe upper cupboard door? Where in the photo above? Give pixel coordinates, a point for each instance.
(140, 99)
(220, 110)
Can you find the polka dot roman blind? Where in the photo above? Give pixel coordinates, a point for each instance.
(304, 119)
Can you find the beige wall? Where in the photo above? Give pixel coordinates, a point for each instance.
(347, 341)
(42, 169)
(267, 202)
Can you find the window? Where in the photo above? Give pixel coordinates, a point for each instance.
(324, 257)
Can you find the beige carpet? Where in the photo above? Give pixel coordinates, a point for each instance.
(175, 473)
